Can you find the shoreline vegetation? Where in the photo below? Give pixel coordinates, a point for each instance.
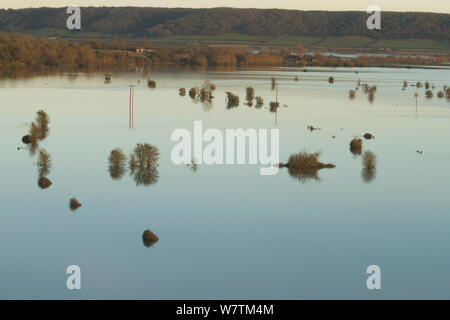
(27, 54)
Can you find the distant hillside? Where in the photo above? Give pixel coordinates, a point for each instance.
(164, 22)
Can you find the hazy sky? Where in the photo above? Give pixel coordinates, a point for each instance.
(359, 5)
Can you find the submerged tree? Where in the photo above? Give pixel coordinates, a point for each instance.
(116, 166)
(144, 164)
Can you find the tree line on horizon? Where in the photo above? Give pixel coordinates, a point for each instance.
(160, 22)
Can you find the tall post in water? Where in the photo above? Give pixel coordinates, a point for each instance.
(131, 108)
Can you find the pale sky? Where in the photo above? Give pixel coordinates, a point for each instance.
(442, 6)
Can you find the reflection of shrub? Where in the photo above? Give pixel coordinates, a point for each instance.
(149, 238)
(368, 168)
(232, 100)
(369, 160)
(259, 102)
(356, 146)
(42, 120)
(74, 204)
(44, 163)
(44, 183)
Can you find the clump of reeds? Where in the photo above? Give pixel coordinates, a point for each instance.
(274, 83)
(368, 166)
(429, 94)
(250, 95)
(356, 146)
(352, 94)
(259, 102)
(182, 92)
(151, 83)
(44, 163)
(330, 80)
(117, 161)
(149, 238)
(274, 105)
(232, 100)
(74, 204)
(44, 183)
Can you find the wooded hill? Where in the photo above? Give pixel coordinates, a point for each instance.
(164, 22)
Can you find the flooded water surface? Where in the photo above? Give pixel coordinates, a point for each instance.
(225, 231)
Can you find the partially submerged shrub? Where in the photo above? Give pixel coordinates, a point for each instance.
(447, 92)
(356, 146)
(369, 136)
(74, 204)
(352, 94)
(330, 80)
(427, 85)
(44, 182)
(182, 92)
(259, 102)
(232, 100)
(151, 83)
(429, 94)
(274, 106)
(149, 238)
(419, 84)
(249, 96)
(193, 93)
(440, 94)
(304, 166)
(312, 128)
(274, 83)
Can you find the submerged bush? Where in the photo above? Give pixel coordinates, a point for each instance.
(356, 146)
(274, 106)
(44, 182)
(232, 100)
(182, 92)
(369, 136)
(274, 83)
(151, 83)
(149, 238)
(259, 102)
(352, 94)
(144, 164)
(26, 139)
(42, 120)
(74, 204)
(330, 80)
(440, 94)
(429, 94)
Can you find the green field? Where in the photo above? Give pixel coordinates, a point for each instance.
(350, 42)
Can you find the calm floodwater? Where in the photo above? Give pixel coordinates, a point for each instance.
(226, 231)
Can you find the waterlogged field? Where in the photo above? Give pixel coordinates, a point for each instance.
(225, 231)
